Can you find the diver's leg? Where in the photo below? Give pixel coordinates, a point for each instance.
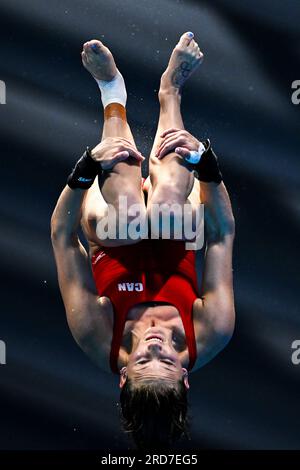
(124, 179)
(171, 179)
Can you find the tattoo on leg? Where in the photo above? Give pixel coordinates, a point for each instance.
(181, 72)
(185, 68)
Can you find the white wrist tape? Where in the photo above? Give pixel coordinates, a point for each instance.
(195, 156)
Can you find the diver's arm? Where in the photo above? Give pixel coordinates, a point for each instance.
(66, 216)
(71, 257)
(88, 315)
(75, 277)
(217, 285)
(214, 311)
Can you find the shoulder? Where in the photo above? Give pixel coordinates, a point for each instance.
(94, 334)
(212, 332)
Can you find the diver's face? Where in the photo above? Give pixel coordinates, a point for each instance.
(155, 357)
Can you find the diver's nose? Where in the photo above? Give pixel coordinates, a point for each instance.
(154, 347)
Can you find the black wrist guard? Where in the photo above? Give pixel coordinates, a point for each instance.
(208, 168)
(85, 172)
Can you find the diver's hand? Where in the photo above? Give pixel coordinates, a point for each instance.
(179, 141)
(113, 150)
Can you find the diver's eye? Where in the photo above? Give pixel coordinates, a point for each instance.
(170, 363)
(142, 362)
(175, 345)
(127, 342)
(178, 342)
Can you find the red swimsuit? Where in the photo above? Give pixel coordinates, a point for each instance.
(151, 270)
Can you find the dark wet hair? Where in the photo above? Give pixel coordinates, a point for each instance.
(155, 413)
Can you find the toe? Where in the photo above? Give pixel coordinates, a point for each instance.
(95, 48)
(96, 43)
(83, 57)
(186, 38)
(200, 56)
(89, 50)
(193, 45)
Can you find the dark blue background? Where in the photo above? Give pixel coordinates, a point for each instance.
(51, 396)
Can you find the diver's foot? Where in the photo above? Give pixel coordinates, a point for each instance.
(98, 60)
(185, 58)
